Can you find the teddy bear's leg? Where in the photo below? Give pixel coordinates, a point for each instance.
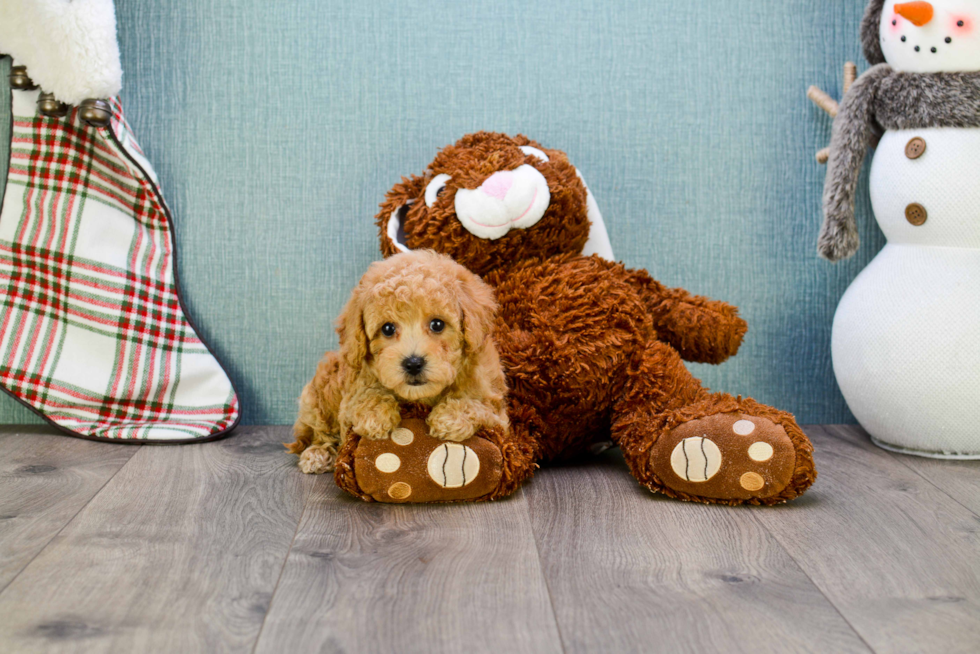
(412, 466)
(517, 462)
(681, 440)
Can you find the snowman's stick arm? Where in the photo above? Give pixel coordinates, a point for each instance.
(820, 98)
(852, 134)
(850, 75)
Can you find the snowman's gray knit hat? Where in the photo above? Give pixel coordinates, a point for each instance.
(870, 32)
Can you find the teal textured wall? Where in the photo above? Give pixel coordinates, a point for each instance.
(277, 127)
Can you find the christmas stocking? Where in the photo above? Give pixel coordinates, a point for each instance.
(93, 332)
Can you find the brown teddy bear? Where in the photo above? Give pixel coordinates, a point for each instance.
(592, 351)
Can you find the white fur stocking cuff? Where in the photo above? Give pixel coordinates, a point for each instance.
(68, 46)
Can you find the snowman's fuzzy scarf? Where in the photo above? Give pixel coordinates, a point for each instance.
(883, 99)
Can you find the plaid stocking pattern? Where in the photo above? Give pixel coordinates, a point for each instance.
(93, 335)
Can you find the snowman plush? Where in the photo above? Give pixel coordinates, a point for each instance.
(906, 336)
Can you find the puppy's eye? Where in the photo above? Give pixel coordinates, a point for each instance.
(435, 188)
(534, 152)
(388, 329)
(437, 325)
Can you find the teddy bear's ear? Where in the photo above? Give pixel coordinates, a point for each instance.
(392, 215)
(598, 242)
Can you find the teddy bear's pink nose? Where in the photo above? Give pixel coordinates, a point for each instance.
(497, 185)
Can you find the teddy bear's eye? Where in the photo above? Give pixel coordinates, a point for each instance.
(534, 152)
(388, 329)
(437, 325)
(435, 187)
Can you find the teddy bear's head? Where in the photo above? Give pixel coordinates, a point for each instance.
(490, 200)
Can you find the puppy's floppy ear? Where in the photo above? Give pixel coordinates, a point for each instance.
(391, 218)
(350, 327)
(479, 308)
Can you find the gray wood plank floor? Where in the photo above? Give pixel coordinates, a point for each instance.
(227, 547)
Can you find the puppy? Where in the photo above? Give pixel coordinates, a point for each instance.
(417, 328)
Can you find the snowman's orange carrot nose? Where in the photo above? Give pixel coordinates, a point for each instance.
(917, 13)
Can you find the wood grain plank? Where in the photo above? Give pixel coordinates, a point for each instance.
(630, 571)
(45, 479)
(958, 479)
(180, 552)
(899, 558)
(411, 578)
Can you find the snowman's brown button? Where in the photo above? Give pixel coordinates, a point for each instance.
(916, 214)
(915, 148)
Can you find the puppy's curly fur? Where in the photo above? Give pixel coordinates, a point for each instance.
(432, 309)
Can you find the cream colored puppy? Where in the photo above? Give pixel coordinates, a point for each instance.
(417, 328)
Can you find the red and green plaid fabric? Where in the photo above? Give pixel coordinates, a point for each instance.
(93, 335)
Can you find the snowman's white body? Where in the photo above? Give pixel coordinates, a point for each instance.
(906, 336)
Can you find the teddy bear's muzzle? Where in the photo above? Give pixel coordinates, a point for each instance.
(508, 199)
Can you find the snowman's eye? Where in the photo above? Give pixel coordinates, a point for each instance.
(534, 152)
(960, 23)
(435, 188)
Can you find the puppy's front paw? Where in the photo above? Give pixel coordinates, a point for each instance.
(375, 426)
(317, 459)
(449, 425)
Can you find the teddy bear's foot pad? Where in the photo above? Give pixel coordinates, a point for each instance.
(725, 457)
(412, 466)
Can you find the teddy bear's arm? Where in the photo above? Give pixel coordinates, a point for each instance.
(700, 329)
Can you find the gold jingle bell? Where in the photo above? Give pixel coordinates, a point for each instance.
(19, 79)
(50, 106)
(96, 113)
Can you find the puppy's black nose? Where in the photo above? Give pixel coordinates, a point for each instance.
(414, 364)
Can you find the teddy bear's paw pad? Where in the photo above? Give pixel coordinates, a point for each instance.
(725, 457)
(412, 466)
(453, 465)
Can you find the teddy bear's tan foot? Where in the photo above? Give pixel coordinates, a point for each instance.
(412, 466)
(729, 458)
